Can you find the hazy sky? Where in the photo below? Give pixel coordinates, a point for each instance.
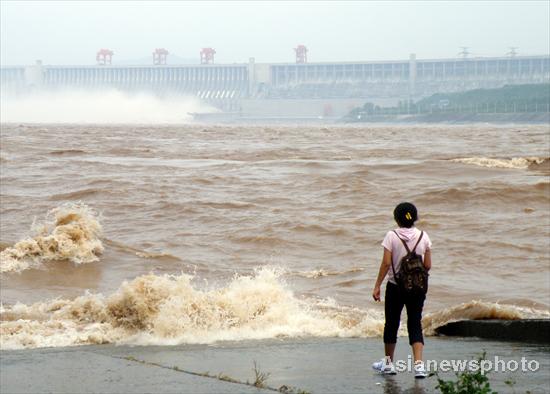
(63, 32)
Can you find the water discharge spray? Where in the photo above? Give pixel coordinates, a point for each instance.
(99, 107)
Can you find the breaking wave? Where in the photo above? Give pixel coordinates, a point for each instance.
(321, 272)
(170, 310)
(479, 310)
(69, 232)
(515, 162)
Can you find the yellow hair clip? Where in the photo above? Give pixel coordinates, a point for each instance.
(408, 216)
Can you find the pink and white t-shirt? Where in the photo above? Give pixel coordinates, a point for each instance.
(398, 251)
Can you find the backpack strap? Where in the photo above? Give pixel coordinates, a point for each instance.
(402, 240)
(393, 270)
(406, 247)
(417, 242)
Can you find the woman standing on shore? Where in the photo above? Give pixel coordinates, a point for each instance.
(397, 244)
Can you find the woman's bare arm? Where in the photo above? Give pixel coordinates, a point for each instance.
(428, 259)
(384, 268)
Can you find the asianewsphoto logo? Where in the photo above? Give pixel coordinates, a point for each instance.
(496, 364)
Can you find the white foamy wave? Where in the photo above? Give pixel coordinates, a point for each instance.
(70, 232)
(169, 310)
(477, 310)
(514, 162)
(99, 107)
(321, 272)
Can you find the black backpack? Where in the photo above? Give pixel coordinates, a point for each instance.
(412, 276)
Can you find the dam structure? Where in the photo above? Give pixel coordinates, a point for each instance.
(287, 89)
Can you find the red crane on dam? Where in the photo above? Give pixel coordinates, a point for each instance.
(207, 55)
(301, 54)
(104, 56)
(159, 56)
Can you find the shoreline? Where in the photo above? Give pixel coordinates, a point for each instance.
(311, 365)
(459, 119)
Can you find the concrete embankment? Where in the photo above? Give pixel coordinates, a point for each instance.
(313, 365)
(527, 330)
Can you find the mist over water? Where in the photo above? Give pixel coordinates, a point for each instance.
(99, 107)
(194, 234)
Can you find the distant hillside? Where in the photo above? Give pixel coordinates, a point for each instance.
(510, 99)
(507, 94)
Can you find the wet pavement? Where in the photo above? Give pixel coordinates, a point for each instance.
(312, 365)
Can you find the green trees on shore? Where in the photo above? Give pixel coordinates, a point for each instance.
(534, 98)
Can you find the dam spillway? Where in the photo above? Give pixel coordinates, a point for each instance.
(340, 85)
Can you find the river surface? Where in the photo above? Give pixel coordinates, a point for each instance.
(199, 233)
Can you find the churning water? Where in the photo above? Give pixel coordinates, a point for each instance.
(194, 234)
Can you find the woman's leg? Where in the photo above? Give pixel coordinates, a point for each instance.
(417, 349)
(414, 325)
(393, 305)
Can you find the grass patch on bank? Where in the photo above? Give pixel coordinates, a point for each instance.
(467, 382)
